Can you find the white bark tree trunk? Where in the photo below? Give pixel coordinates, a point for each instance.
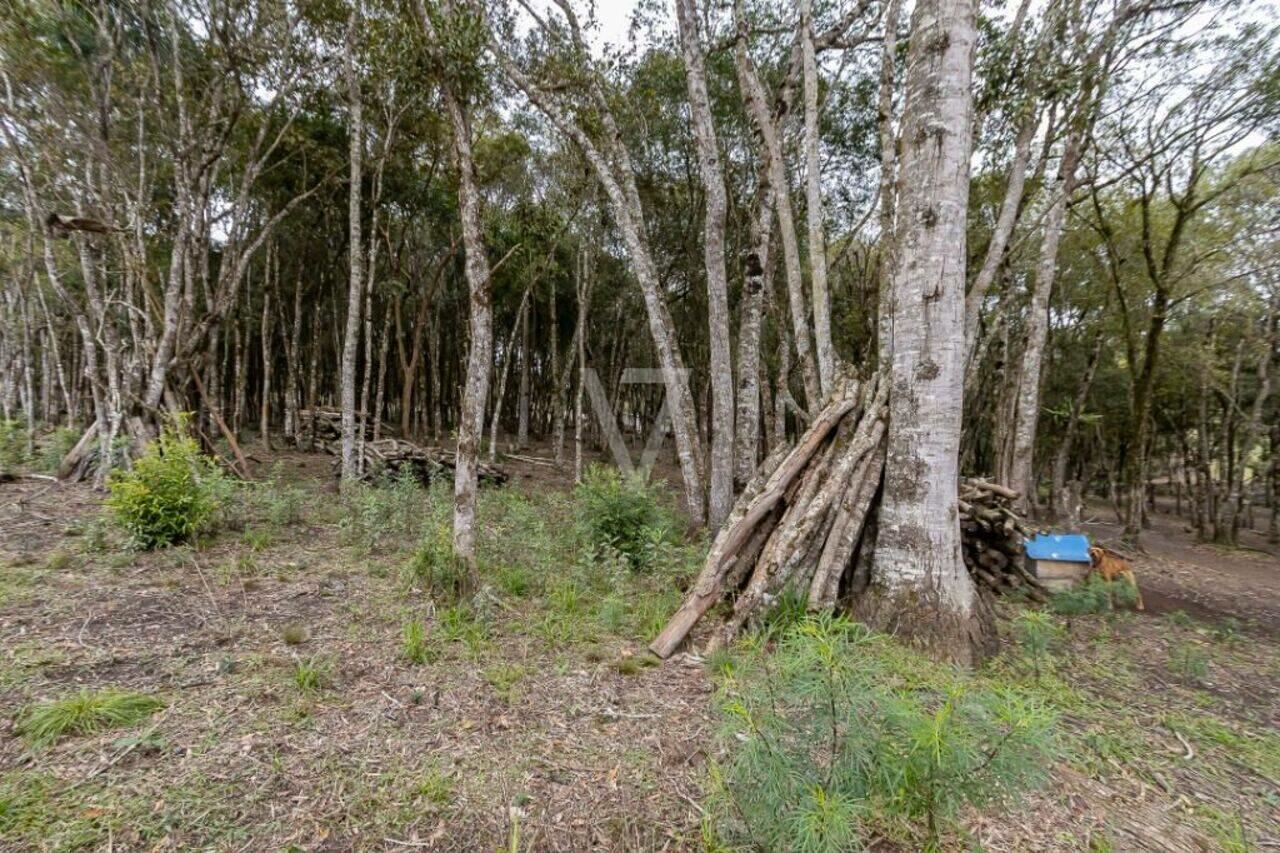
(721, 380)
(920, 588)
(754, 284)
(355, 251)
(1027, 409)
(814, 207)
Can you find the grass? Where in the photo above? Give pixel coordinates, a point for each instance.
(552, 608)
(87, 712)
(504, 678)
(414, 646)
(312, 675)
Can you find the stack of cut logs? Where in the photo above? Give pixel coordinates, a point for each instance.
(389, 457)
(992, 537)
(325, 425)
(806, 525)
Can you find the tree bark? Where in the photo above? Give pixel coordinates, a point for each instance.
(720, 495)
(920, 588)
(355, 252)
(814, 207)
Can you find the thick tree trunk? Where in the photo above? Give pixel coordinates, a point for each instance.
(720, 496)
(920, 589)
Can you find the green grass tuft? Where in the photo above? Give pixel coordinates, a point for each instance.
(87, 712)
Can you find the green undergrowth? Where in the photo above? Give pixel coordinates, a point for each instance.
(85, 713)
(831, 735)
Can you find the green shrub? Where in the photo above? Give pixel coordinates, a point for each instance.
(1037, 635)
(435, 568)
(15, 444)
(624, 514)
(1189, 662)
(414, 646)
(375, 516)
(87, 712)
(170, 494)
(311, 676)
(840, 734)
(1094, 595)
(56, 448)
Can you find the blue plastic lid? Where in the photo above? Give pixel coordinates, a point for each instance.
(1067, 547)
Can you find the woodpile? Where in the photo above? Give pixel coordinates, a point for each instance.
(992, 537)
(806, 524)
(325, 425)
(390, 457)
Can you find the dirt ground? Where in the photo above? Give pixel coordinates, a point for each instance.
(535, 732)
(1203, 579)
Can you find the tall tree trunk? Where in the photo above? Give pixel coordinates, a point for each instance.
(920, 588)
(755, 281)
(814, 208)
(480, 357)
(616, 175)
(355, 252)
(1065, 497)
(580, 340)
(775, 171)
(1027, 411)
(292, 368)
(1003, 230)
(888, 179)
(721, 377)
(1252, 429)
(264, 423)
(522, 404)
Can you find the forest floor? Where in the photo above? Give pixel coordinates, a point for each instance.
(294, 720)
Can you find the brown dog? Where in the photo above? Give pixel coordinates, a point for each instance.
(1111, 566)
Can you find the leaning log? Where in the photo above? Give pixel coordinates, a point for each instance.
(805, 525)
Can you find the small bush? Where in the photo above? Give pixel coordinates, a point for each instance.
(281, 504)
(435, 788)
(434, 567)
(624, 514)
(311, 676)
(88, 712)
(1189, 662)
(373, 516)
(840, 735)
(56, 448)
(1037, 635)
(1093, 596)
(414, 646)
(504, 679)
(295, 635)
(170, 494)
(14, 445)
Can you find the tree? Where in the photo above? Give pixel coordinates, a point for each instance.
(920, 588)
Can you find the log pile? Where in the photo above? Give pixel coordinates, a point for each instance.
(992, 537)
(325, 425)
(806, 524)
(390, 457)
